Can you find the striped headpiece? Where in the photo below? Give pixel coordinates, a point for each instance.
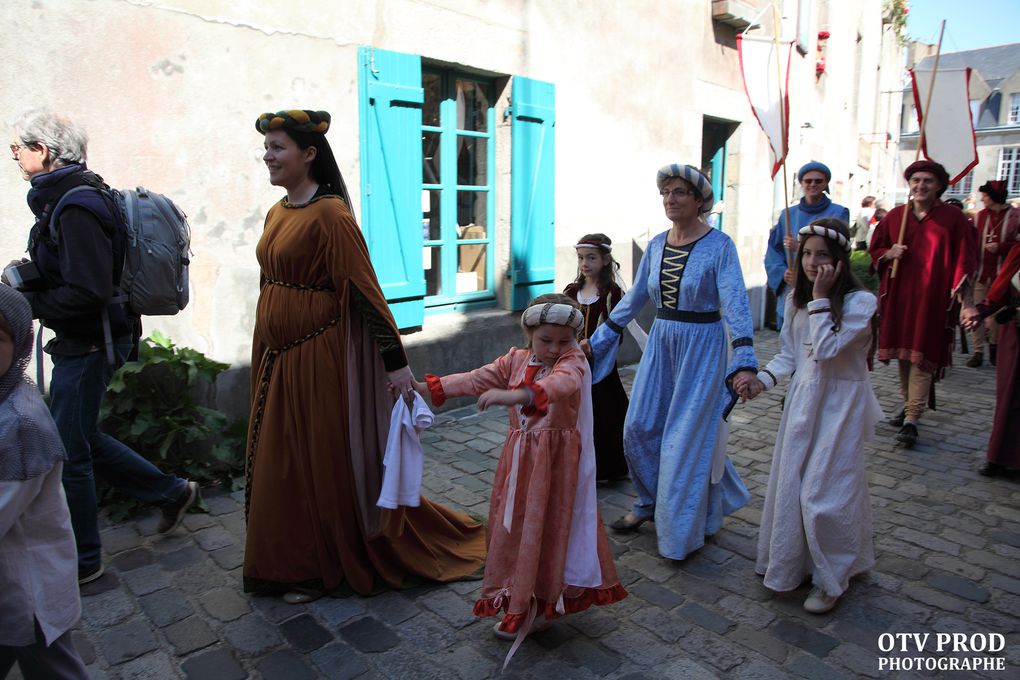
(693, 176)
(554, 313)
(300, 120)
(826, 232)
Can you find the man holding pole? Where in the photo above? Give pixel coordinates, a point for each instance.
(934, 246)
(814, 181)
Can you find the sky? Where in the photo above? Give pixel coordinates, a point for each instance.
(967, 27)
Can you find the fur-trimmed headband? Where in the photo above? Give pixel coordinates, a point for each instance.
(826, 232)
(300, 120)
(554, 313)
(692, 176)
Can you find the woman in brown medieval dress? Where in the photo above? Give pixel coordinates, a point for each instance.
(325, 347)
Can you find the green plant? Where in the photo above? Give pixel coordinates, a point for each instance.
(860, 264)
(153, 405)
(896, 12)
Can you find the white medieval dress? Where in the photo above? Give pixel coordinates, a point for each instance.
(817, 516)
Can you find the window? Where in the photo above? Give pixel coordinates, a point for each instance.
(1009, 168)
(427, 185)
(910, 124)
(458, 168)
(1014, 108)
(963, 187)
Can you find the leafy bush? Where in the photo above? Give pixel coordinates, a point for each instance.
(860, 264)
(153, 406)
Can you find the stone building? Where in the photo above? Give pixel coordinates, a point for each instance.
(479, 139)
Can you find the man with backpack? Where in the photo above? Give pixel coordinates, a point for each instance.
(71, 281)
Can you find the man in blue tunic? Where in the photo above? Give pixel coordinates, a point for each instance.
(814, 182)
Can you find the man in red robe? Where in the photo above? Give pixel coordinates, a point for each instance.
(936, 259)
(996, 233)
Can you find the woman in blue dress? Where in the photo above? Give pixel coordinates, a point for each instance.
(675, 433)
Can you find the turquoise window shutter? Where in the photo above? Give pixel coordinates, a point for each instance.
(532, 205)
(390, 100)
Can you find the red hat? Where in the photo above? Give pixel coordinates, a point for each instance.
(932, 167)
(996, 190)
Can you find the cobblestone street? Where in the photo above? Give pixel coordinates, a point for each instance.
(947, 542)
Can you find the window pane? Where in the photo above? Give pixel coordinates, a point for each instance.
(471, 212)
(472, 161)
(430, 157)
(430, 214)
(472, 106)
(470, 268)
(433, 275)
(433, 85)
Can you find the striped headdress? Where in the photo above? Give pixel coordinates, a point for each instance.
(693, 176)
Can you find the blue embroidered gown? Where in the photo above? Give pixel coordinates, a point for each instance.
(674, 435)
(801, 215)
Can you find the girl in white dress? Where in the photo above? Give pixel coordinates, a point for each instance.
(817, 517)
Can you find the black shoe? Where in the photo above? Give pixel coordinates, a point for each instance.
(993, 470)
(907, 435)
(975, 360)
(991, 353)
(624, 525)
(89, 575)
(174, 512)
(897, 420)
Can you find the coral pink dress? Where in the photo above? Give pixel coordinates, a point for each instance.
(548, 552)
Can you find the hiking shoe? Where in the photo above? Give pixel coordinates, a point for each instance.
(975, 360)
(897, 420)
(89, 575)
(819, 602)
(174, 512)
(907, 435)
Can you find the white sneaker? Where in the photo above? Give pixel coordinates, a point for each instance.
(819, 602)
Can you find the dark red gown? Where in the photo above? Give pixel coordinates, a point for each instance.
(1004, 444)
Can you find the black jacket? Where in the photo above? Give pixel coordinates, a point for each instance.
(80, 270)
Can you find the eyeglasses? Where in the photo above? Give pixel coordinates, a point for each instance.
(812, 180)
(16, 147)
(676, 193)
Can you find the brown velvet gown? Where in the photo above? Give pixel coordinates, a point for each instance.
(320, 412)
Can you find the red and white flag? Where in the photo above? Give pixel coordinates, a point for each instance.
(766, 74)
(949, 130)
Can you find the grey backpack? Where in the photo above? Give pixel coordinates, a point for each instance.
(154, 279)
(155, 276)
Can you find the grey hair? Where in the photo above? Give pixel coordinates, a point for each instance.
(66, 141)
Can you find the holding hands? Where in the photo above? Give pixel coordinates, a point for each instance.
(747, 385)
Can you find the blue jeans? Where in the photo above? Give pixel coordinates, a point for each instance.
(76, 393)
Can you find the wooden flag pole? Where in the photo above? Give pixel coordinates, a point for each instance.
(920, 142)
(783, 126)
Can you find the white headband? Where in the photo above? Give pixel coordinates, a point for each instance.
(604, 247)
(818, 230)
(551, 312)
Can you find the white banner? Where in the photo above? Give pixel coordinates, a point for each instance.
(949, 130)
(766, 81)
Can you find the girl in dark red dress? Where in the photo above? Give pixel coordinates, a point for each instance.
(596, 293)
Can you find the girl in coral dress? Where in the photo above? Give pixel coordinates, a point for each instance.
(548, 553)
